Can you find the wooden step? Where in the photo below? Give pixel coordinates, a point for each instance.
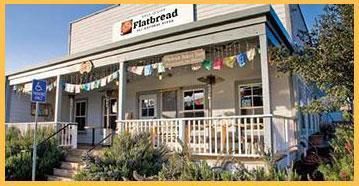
(68, 173)
(73, 158)
(77, 152)
(58, 178)
(70, 165)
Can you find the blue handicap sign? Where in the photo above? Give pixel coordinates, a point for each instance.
(38, 91)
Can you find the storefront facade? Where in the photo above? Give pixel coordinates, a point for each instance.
(199, 73)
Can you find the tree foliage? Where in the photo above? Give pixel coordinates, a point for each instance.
(341, 167)
(325, 58)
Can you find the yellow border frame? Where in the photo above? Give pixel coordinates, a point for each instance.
(2, 82)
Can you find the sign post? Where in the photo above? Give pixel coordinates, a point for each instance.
(38, 95)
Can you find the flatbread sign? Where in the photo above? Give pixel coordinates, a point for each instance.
(86, 67)
(184, 58)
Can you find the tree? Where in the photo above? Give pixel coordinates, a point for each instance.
(325, 59)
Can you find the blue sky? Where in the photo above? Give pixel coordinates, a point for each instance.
(37, 33)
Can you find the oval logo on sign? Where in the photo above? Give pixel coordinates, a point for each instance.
(86, 67)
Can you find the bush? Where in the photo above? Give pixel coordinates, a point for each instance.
(129, 155)
(181, 167)
(341, 167)
(18, 152)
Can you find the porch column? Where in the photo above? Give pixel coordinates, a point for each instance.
(267, 122)
(7, 100)
(58, 99)
(122, 81)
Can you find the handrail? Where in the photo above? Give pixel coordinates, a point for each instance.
(98, 143)
(52, 135)
(58, 131)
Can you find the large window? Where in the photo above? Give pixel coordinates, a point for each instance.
(148, 105)
(112, 114)
(251, 99)
(193, 103)
(81, 113)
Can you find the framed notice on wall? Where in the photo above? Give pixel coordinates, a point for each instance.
(43, 109)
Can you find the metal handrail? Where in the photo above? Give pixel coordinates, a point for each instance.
(58, 131)
(98, 143)
(52, 135)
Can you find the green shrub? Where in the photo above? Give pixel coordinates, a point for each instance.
(181, 167)
(341, 167)
(127, 155)
(18, 164)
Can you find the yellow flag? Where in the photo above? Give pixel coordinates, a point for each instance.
(229, 61)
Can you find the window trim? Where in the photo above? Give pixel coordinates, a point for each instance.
(155, 107)
(86, 112)
(237, 95)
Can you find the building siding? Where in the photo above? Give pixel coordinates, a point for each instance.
(21, 106)
(95, 31)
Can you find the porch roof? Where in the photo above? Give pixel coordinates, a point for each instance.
(265, 10)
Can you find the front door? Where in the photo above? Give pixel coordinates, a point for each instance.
(148, 106)
(109, 112)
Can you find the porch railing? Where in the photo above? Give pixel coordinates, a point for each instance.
(239, 136)
(65, 132)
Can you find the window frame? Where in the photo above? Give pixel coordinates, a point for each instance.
(239, 100)
(194, 110)
(147, 96)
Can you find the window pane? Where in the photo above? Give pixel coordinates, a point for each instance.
(246, 112)
(83, 109)
(113, 122)
(245, 91)
(151, 112)
(257, 101)
(148, 103)
(188, 101)
(257, 90)
(113, 106)
(258, 111)
(246, 101)
(144, 113)
(81, 123)
(143, 103)
(77, 109)
(198, 99)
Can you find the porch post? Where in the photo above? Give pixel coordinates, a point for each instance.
(58, 99)
(71, 109)
(122, 81)
(7, 100)
(263, 43)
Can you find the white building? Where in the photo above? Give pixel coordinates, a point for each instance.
(112, 79)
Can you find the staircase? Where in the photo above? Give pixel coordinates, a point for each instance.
(70, 166)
